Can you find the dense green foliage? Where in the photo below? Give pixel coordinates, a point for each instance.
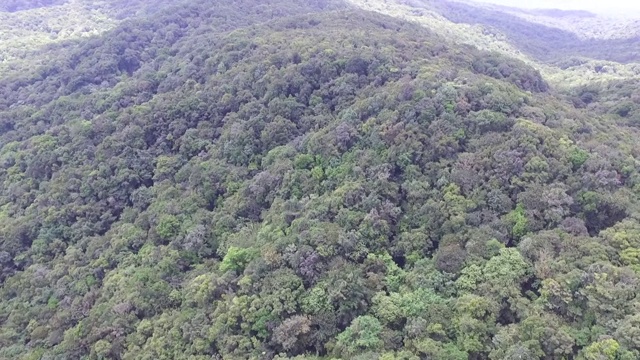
(292, 179)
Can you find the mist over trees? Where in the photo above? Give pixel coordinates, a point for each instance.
(18, 5)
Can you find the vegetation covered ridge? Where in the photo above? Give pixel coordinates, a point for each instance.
(566, 55)
(307, 180)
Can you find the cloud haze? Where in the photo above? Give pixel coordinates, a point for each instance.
(610, 6)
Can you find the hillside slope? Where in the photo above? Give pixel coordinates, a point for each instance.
(32, 32)
(565, 58)
(544, 39)
(307, 180)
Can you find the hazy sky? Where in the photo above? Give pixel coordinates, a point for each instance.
(592, 5)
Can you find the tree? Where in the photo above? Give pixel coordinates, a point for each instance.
(362, 335)
(236, 259)
(290, 333)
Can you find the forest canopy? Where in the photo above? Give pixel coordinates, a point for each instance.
(19, 5)
(307, 180)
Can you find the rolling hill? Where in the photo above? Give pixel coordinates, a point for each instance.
(292, 179)
(565, 53)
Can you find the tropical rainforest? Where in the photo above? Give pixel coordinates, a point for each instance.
(293, 179)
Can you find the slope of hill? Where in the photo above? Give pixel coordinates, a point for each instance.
(20, 5)
(29, 29)
(585, 24)
(531, 32)
(298, 179)
(561, 56)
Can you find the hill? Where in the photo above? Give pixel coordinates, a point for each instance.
(547, 37)
(34, 31)
(567, 52)
(308, 180)
(20, 5)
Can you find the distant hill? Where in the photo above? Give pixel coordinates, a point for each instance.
(541, 39)
(557, 13)
(34, 27)
(20, 5)
(566, 57)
